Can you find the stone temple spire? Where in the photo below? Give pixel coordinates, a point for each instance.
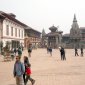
(75, 31)
(43, 32)
(74, 20)
(75, 24)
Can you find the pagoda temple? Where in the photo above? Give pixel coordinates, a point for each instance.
(54, 37)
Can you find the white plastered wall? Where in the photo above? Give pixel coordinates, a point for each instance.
(9, 37)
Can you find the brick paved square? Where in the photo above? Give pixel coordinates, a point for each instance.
(48, 70)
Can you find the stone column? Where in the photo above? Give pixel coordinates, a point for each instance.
(56, 41)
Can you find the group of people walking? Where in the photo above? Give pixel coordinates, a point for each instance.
(76, 52)
(62, 52)
(22, 72)
(16, 51)
(11, 53)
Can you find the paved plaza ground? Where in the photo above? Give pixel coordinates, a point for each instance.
(48, 70)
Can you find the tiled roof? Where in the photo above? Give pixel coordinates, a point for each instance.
(29, 28)
(52, 34)
(5, 15)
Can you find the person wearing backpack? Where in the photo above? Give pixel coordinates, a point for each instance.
(18, 71)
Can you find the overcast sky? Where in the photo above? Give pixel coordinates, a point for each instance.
(40, 14)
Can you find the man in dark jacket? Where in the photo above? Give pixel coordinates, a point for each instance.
(76, 52)
(81, 51)
(50, 50)
(62, 51)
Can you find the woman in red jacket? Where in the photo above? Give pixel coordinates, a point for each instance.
(28, 73)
